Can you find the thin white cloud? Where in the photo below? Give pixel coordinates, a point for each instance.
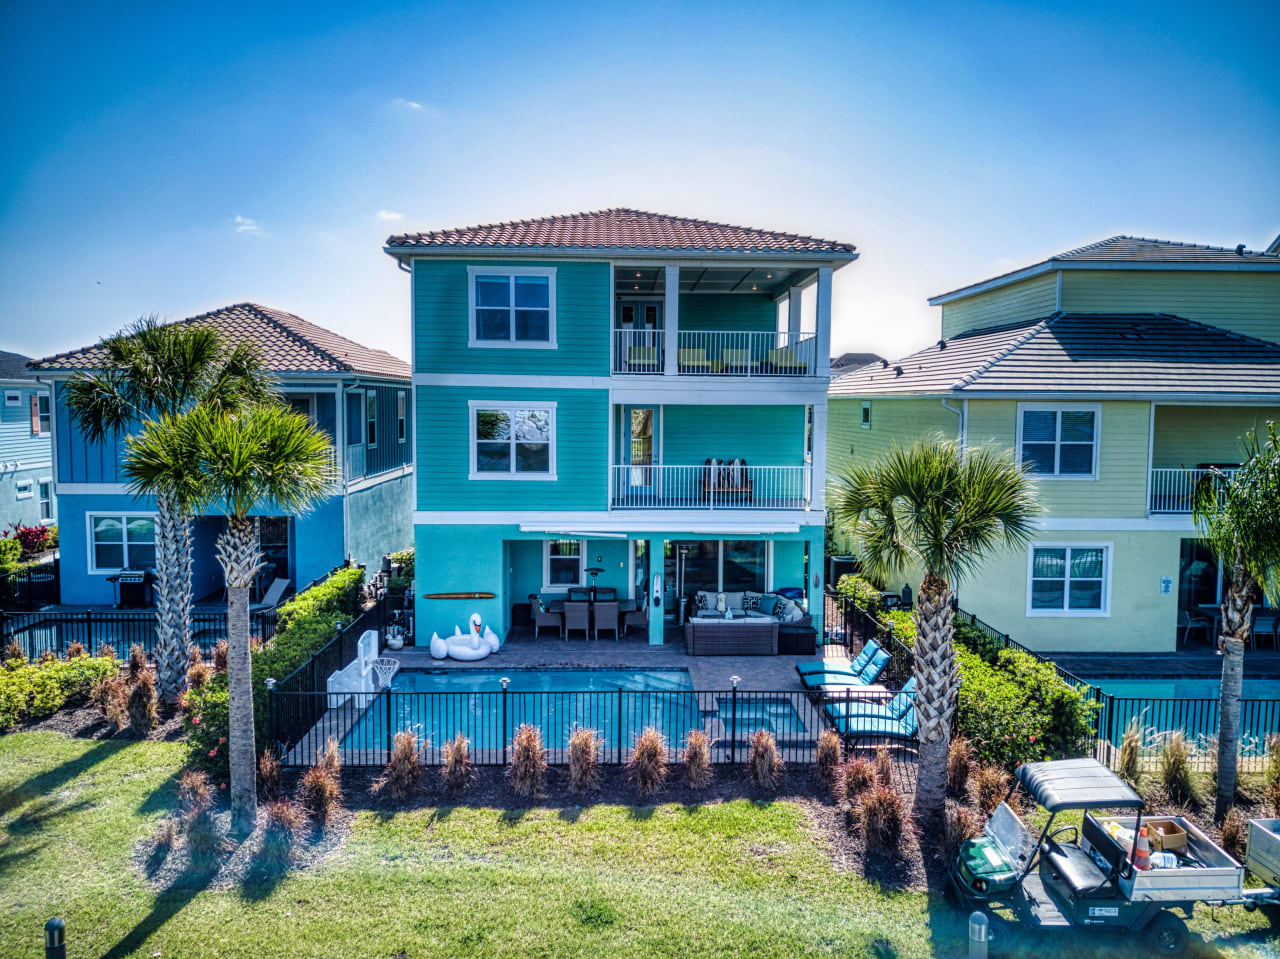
(404, 104)
(388, 215)
(244, 224)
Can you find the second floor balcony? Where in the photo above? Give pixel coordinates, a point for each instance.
(750, 353)
(1174, 491)
(714, 485)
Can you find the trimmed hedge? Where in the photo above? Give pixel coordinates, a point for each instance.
(901, 623)
(10, 553)
(307, 623)
(1016, 710)
(401, 584)
(36, 690)
(860, 591)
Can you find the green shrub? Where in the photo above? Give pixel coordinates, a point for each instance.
(206, 725)
(10, 553)
(51, 540)
(1018, 710)
(978, 641)
(340, 598)
(40, 689)
(399, 585)
(860, 591)
(901, 623)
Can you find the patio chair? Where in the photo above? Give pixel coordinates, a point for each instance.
(1187, 621)
(577, 615)
(579, 594)
(693, 360)
(1265, 621)
(271, 598)
(737, 360)
(828, 681)
(894, 709)
(607, 594)
(784, 360)
(869, 649)
(643, 359)
(542, 618)
(605, 616)
(636, 617)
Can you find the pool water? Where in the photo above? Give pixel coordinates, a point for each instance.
(541, 680)
(1189, 705)
(1184, 688)
(778, 716)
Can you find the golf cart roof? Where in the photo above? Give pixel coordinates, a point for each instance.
(1076, 784)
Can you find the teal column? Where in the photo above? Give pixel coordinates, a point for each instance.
(816, 542)
(657, 575)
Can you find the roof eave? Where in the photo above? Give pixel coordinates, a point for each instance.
(808, 257)
(1095, 395)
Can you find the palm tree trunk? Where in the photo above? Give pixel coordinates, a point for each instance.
(937, 682)
(240, 558)
(1237, 619)
(173, 598)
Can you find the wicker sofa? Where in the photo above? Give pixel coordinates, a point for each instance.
(740, 636)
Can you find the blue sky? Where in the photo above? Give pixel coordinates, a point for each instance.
(173, 160)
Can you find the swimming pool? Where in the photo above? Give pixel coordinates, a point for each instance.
(1184, 688)
(1189, 705)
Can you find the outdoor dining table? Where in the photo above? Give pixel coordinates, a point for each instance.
(624, 605)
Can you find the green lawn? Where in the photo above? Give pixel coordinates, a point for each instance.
(726, 880)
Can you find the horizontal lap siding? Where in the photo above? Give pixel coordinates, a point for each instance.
(1246, 303)
(738, 311)
(1121, 487)
(441, 322)
(763, 435)
(17, 442)
(901, 421)
(1186, 436)
(444, 451)
(1025, 300)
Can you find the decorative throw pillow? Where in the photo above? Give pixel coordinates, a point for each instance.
(751, 600)
(788, 612)
(701, 598)
(733, 600)
(721, 603)
(768, 604)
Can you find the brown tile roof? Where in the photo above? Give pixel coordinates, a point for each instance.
(622, 229)
(1081, 353)
(287, 343)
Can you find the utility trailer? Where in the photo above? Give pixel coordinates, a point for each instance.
(1083, 878)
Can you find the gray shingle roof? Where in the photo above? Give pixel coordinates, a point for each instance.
(621, 229)
(1081, 353)
(852, 361)
(13, 366)
(287, 344)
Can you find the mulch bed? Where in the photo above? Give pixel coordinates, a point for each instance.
(87, 722)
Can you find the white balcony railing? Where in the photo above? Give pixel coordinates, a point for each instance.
(717, 353)
(722, 486)
(1174, 490)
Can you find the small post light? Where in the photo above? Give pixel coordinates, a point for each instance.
(55, 939)
(979, 935)
(735, 680)
(504, 680)
(270, 683)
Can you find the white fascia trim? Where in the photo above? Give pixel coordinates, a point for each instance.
(740, 521)
(1219, 266)
(364, 482)
(1175, 523)
(649, 389)
(92, 489)
(636, 257)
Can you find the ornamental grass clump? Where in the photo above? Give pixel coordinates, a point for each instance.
(1175, 768)
(584, 762)
(853, 777)
(112, 694)
(885, 818)
(76, 650)
(13, 652)
(647, 764)
(320, 793)
(1233, 833)
(286, 823)
(199, 672)
(988, 786)
(457, 771)
(137, 662)
(106, 650)
(763, 762)
(330, 759)
(270, 779)
(830, 755)
(528, 769)
(167, 835)
(403, 770)
(963, 822)
(196, 795)
(48, 656)
(959, 763)
(697, 760)
(1131, 751)
(142, 704)
(884, 766)
(220, 656)
(1272, 779)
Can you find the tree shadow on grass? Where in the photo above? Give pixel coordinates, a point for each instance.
(39, 814)
(641, 813)
(52, 780)
(168, 904)
(161, 799)
(512, 817)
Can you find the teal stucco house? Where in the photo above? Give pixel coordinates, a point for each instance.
(1119, 372)
(359, 396)
(621, 399)
(26, 447)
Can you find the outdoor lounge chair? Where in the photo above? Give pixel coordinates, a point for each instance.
(271, 598)
(894, 709)
(859, 662)
(854, 728)
(577, 615)
(827, 681)
(605, 616)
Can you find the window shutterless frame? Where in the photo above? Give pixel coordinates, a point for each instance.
(476, 406)
(1060, 442)
(401, 432)
(46, 499)
(550, 587)
(126, 541)
(1064, 610)
(511, 307)
(23, 489)
(371, 418)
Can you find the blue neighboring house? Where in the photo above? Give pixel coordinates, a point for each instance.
(26, 447)
(359, 396)
(639, 395)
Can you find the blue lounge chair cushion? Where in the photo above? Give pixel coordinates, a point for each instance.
(871, 672)
(843, 680)
(830, 666)
(894, 709)
(873, 727)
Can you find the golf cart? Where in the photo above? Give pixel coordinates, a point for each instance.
(1084, 877)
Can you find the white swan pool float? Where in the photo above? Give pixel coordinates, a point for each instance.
(476, 643)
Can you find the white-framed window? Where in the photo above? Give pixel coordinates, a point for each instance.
(120, 540)
(46, 499)
(41, 418)
(1059, 441)
(401, 431)
(12, 398)
(513, 440)
(23, 489)
(866, 414)
(371, 417)
(1069, 579)
(562, 563)
(511, 306)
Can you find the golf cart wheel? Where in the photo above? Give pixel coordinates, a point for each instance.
(1167, 935)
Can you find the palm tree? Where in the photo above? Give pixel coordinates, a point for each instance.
(1239, 521)
(945, 509)
(236, 460)
(151, 370)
